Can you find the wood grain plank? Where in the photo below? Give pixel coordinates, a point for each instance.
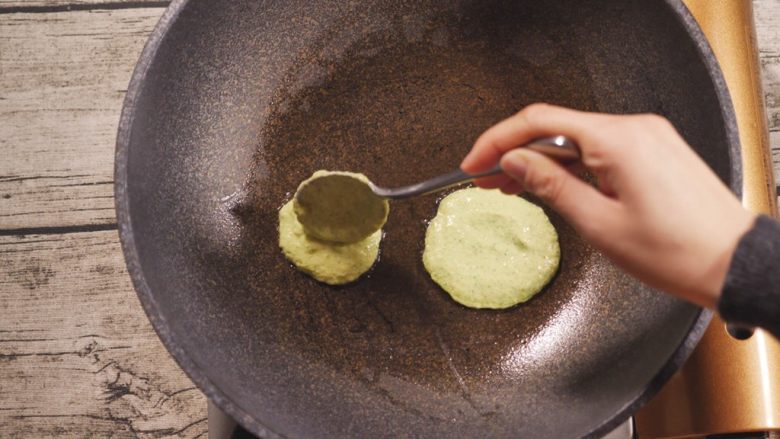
(770, 72)
(78, 357)
(767, 17)
(774, 140)
(64, 79)
(56, 5)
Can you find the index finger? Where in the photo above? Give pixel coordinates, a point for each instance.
(532, 122)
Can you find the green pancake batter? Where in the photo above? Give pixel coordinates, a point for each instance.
(490, 250)
(339, 207)
(329, 262)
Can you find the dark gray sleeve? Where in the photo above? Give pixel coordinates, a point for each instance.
(751, 293)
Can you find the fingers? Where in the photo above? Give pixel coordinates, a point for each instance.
(581, 204)
(532, 122)
(512, 187)
(493, 182)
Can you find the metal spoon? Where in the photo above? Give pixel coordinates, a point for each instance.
(560, 148)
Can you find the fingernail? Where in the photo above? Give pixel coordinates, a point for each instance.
(515, 166)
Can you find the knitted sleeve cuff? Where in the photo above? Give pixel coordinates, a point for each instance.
(751, 292)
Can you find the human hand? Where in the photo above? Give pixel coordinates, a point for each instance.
(658, 211)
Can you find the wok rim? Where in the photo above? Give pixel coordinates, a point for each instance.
(220, 398)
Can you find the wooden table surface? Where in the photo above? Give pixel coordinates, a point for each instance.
(78, 357)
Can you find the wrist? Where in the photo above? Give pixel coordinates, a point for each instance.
(715, 278)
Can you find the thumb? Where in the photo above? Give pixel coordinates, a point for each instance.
(580, 203)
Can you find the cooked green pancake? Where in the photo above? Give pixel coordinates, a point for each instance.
(329, 262)
(490, 250)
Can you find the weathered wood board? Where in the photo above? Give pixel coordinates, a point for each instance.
(64, 77)
(78, 357)
(70, 5)
(767, 15)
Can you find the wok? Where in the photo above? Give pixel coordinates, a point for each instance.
(249, 98)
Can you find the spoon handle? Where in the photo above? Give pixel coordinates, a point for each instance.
(560, 148)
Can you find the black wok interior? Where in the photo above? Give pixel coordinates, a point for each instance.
(251, 97)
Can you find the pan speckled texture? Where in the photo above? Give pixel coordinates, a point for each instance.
(249, 98)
